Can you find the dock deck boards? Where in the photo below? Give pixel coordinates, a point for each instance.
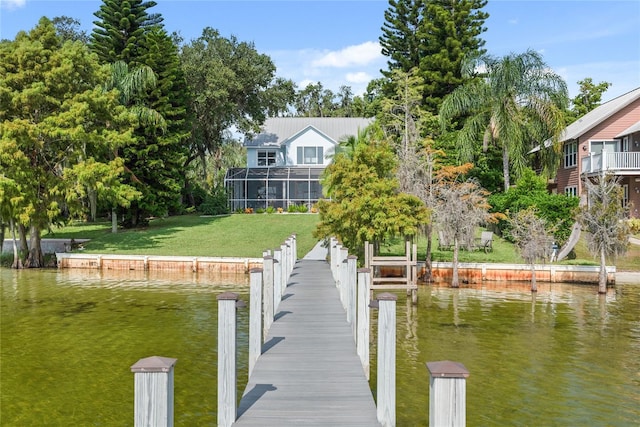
(309, 373)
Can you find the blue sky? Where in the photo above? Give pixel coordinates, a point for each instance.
(336, 42)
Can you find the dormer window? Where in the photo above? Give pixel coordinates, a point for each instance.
(266, 158)
(310, 156)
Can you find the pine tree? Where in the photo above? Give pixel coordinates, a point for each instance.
(452, 32)
(121, 28)
(435, 36)
(156, 160)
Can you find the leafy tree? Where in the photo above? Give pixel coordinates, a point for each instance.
(232, 85)
(589, 98)
(603, 218)
(69, 29)
(433, 36)
(120, 30)
(517, 103)
(10, 203)
(365, 202)
(52, 108)
(534, 242)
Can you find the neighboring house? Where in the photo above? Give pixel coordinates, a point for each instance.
(604, 141)
(286, 159)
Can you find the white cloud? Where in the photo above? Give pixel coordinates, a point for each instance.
(359, 77)
(12, 4)
(350, 56)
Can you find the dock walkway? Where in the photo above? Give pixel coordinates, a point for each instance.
(309, 373)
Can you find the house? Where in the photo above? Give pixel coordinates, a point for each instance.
(286, 159)
(604, 141)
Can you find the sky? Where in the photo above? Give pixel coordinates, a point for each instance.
(336, 42)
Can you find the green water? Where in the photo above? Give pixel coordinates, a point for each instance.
(563, 357)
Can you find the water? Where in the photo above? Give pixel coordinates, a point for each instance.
(562, 357)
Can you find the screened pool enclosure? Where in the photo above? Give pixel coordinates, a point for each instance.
(279, 187)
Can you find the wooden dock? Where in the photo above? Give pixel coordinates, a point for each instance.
(309, 373)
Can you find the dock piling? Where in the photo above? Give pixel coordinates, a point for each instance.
(153, 404)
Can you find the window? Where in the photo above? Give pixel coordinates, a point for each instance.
(570, 154)
(598, 147)
(310, 156)
(571, 191)
(266, 158)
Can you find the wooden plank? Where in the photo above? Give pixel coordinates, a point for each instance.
(309, 372)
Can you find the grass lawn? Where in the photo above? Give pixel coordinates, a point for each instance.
(248, 235)
(193, 235)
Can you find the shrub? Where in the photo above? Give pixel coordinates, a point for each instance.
(215, 203)
(303, 208)
(292, 208)
(634, 225)
(530, 192)
(280, 210)
(270, 209)
(260, 210)
(248, 210)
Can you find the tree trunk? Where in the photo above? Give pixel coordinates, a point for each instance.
(93, 203)
(505, 167)
(602, 279)
(534, 285)
(3, 226)
(22, 234)
(114, 220)
(35, 258)
(17, 261)
(428, 271)
(454, 279)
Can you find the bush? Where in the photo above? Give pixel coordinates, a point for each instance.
(215, 203)
(634, 225)
(530, 192)
(292, 208)
(260, 210)
(303, 208)
(270, 209)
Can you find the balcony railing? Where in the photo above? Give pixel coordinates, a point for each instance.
(620, 163)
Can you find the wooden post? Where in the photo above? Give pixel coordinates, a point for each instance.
(352, 277)
(153, 405)
(362, 342)
(255, 317)
(414, 274)
(447, 394)
(332, 255)
(267, 295)
(294, 253)
(336, 263)
(286, 260)
(277, 278)
(344, 253)
(227, 359)
(387, 359)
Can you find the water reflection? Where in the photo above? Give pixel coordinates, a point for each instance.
(562, 356)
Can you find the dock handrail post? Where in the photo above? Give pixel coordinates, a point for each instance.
(352, 277)
(343, 276)
(255, 317)
(153, 404)
(447, 394)
(332, 255)
(267, 295)
(278, 272)
(362, 319)
(294, 252)
(285, 248)
(386, 359)
(227, 376)
(336, 263)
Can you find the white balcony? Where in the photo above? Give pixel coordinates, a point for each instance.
(620, 163)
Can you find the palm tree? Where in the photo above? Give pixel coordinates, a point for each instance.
(515, 103)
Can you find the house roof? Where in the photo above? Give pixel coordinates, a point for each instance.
(595, 117)
(629, 130)
(598, 115)
(277, 130)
